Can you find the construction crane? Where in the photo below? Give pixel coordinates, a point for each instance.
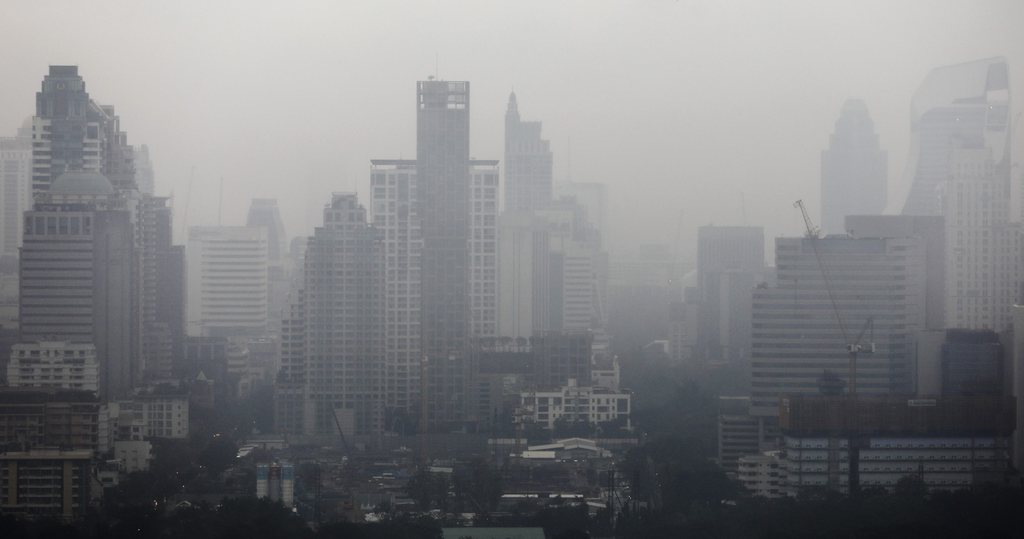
(854, 348)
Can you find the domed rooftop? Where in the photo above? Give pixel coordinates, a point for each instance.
(81, 183)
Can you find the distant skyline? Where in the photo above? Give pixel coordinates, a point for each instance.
(716, 112)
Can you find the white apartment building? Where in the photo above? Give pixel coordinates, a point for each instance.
(763, 475)
(575, 404)
(59, 364)
(483, 249)
(228, 283)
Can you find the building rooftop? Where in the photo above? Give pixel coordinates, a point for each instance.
(81, 183)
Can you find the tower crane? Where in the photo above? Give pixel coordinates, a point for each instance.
(854, 347)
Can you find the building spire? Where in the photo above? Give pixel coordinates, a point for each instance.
(513, 106)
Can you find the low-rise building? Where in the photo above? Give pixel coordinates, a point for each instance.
(575, 404)
(763, 475)
(276, 481)
(48, 417)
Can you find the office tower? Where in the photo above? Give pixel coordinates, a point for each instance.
(72, 133)
(15, 191)
(578, 269)
(800, 340)
(960, 106)
(81, 237)
(983, 270)
(739, 432)
(528, 162)
(932, 230)
(442, 174)
(483, 249)
(394, 205)
(730, 263)
(344, 295)
(145, 178)
(227, 281)
(524, 262)
(853, 169)
(290, 402)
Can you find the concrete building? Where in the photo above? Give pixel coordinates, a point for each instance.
(344, 298)
(145, 177)
(572, 403)
(162, 289)
(45, 483)
(15, 191)
(524, 273)
(592, 197)
(983, 256)
(963, 105)
(443, 193)
(263, 212)
(70, 132)
(483, 249)
(853, 169)
(740, 433)
(528, 162)
(950, 443)
(1015, 375)
(762, 475)
(932, 230)
(227, 281)
(82, 235)
(394, 206)
(730, 263)
(55, 364)
(38, 417)
(800, 341)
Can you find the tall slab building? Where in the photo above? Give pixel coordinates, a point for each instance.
(15, 189)
(853, 169)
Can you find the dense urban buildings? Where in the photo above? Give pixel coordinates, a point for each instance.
(730, 263)
(853, 169)
(528, 162)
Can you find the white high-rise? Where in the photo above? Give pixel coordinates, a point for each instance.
(15, 188)
(227, 281)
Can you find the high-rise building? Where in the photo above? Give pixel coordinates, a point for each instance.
(960, 106)
(15, 191)
(592, 197)
(344, 296)
(528, 162)
(82, 238)
(443, 191)
(730, 263)
(483, 249)
(853, 169)
(524, 273)
(162, 289)
(263, 212)
(831, 292)
(931, 229)
(394, 206)
(70, 132)
(227, 281)
(145, 177)
(983, 267)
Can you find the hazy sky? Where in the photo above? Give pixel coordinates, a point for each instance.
(683, 108)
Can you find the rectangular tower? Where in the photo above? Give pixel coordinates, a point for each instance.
(442, 171)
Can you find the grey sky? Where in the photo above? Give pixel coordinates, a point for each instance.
(678, 106)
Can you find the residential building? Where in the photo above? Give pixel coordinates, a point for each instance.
(740, 433)
(162, 289)
(572, 403)
(227, 281)
(763, 475)
(145, 177)
(853, 169)
(54, 364)
(45, 483)
(38, 417)
(276, 481)
(832, 293)
(524, 255)
(344, 299)
(15, 191)
(483, 249)
(528, 162)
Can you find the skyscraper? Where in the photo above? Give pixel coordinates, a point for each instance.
(227, 281)
(144, 175)
(442, 174)
(730, 263)
(15, 189)
(853, 169)
(528, 162)
(799, 341)
(70, 132)
(958, 106)
(78, 275)
(344, 298)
